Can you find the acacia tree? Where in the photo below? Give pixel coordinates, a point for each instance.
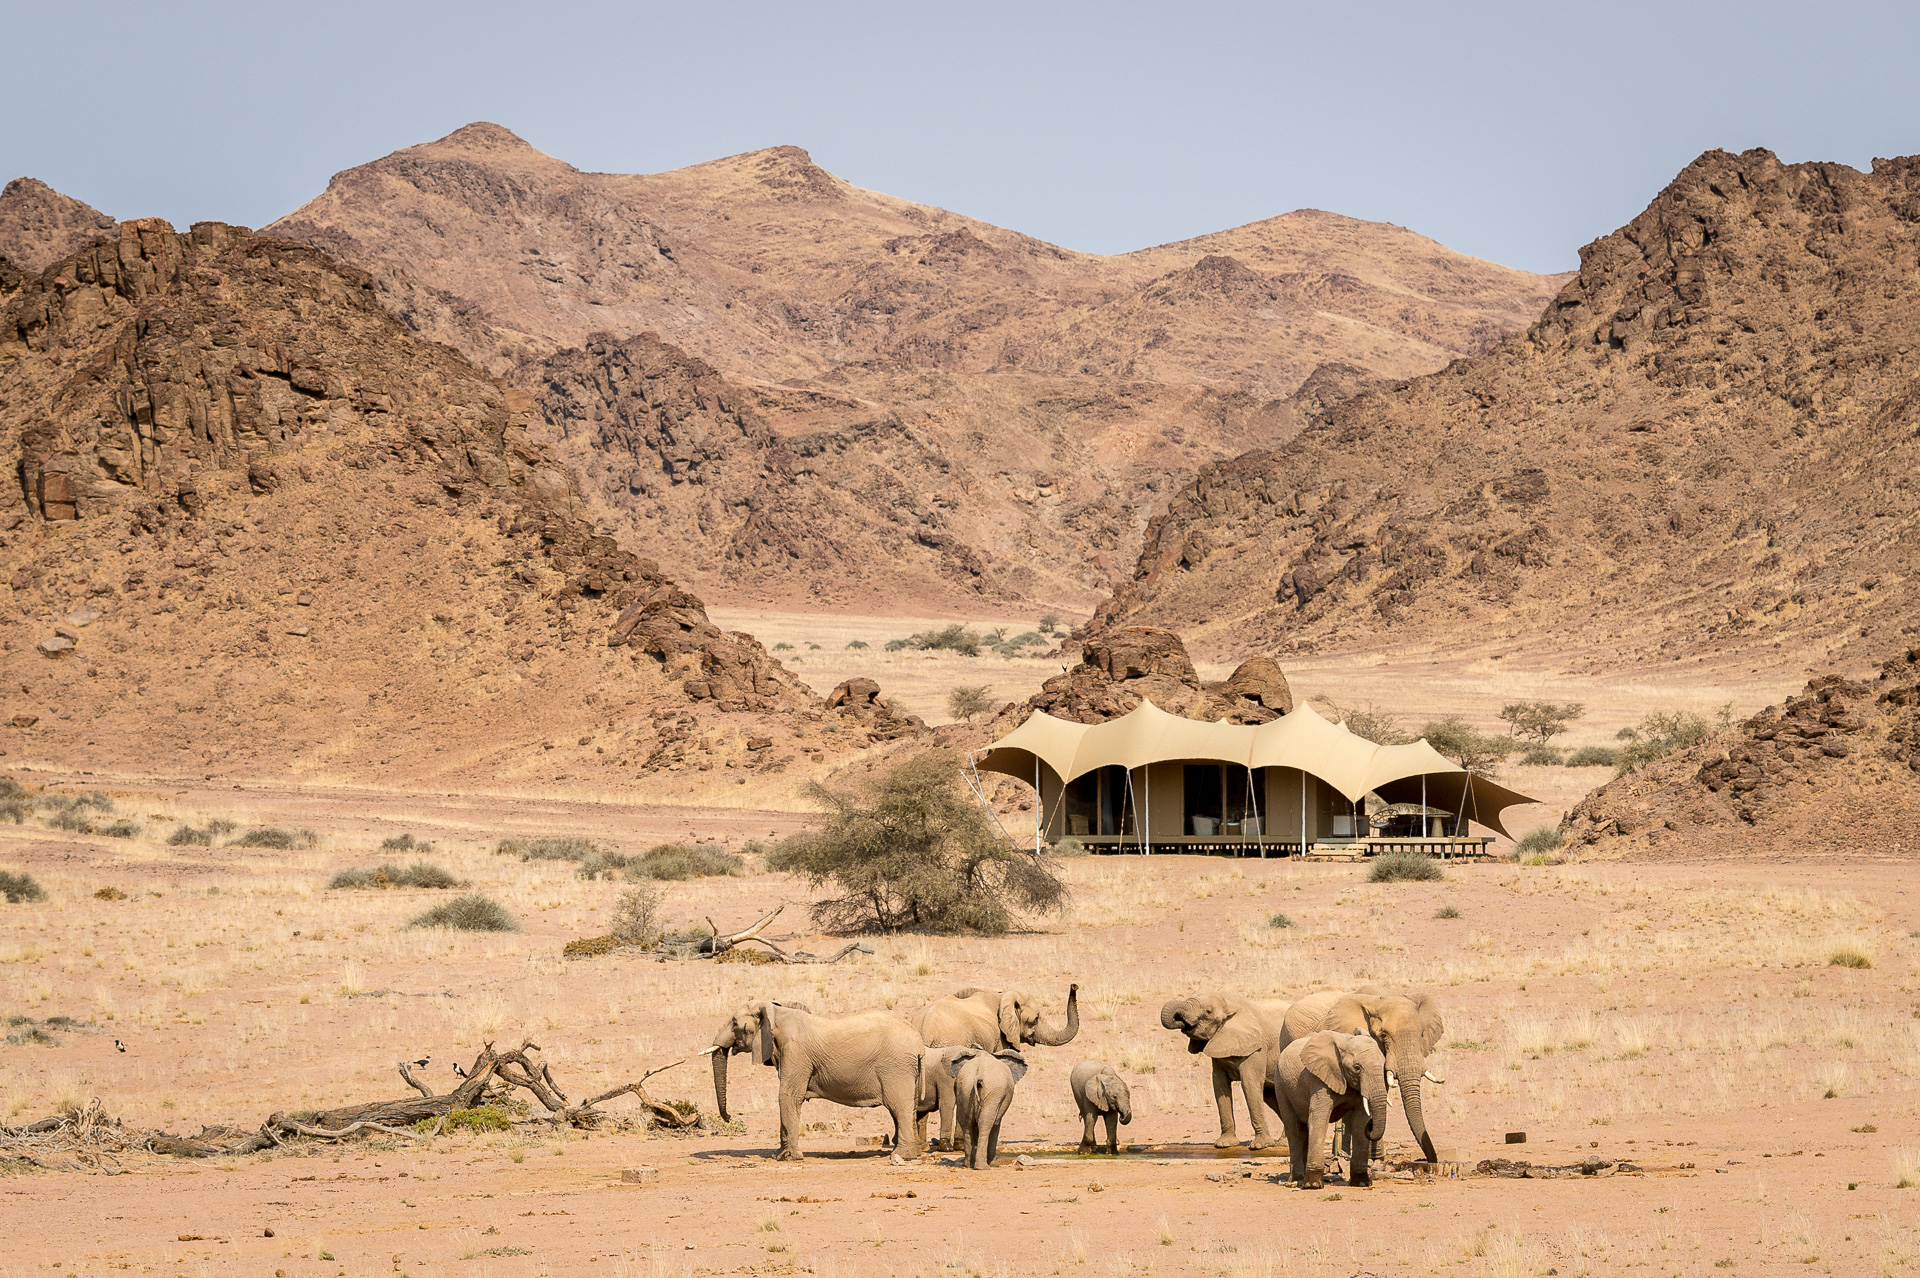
(1540, 720)
(967, 703)
(1466, 745)
(911, 849)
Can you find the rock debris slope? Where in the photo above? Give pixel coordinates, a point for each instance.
(1833, 770)
(1705, 449)
(39, 226)
(261, 530)
(1014, 409)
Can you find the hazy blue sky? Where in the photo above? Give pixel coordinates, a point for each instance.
(1516, 132)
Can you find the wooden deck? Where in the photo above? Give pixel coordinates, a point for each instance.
(1472, 847)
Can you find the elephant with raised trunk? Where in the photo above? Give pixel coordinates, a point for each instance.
(863, 1060)
(1241, 1036)
(994, 1021)
(1322, 1079)
(1406, 1026)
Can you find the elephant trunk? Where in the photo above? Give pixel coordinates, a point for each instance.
(1410, 1070)
(720, 1083)
(1374, 1088)
(1047, 1037)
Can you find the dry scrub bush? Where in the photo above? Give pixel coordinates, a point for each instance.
(418, 875)
(20, 888)
(1404, 867)
(470, 913)
(911, 849)
(277, 839)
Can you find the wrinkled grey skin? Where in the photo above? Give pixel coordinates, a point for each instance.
(1406, 1025)
(936, 1090)
(864, 1060)
(1099, 1092)
(738, 1035)
(1241, 1036)
(982, 1093)
(995, 1021)
(1326, 1078)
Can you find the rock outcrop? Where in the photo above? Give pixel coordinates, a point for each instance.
(39, 226)
(1835, 769)
(859, 701)
(1704, 447)
(272, 530)
(1124, 666)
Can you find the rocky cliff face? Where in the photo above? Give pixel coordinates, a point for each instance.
(1836, 769)
(1124, 666)
(1705, 447)
(39, 226)
(272, 531)
(984, 416)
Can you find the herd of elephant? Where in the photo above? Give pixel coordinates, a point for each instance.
(1329, 1057)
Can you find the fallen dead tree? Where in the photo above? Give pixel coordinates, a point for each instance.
(721, 947)
(86, 1136)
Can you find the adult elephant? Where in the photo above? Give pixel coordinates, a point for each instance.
(993, 1021)
(863, 1060)
(1407, 1026)
(1241, 1036)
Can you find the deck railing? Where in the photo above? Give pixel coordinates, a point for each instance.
(1446, 847)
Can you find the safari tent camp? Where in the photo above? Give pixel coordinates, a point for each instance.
(1150, 781)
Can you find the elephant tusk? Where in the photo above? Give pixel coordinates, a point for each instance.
(1392, 1080)
(1431, 1078)
(706, 1051)
(1367, 1107)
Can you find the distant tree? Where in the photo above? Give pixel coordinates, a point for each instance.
(912, 849)
(1540, 721)
(1049, 623)
(1466, 745)
(1376, 726)
(966, 704)
(1662, 732)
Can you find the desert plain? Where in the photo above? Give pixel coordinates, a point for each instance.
(1684, 1021)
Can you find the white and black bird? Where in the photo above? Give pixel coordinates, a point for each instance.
(117, 1043)
(456, 1069)
(423, 1062)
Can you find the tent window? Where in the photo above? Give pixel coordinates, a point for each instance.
(1083, 804)
(1115, 816)
(1205, 799)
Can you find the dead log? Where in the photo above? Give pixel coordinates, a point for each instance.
(718, 944)
(662, 1114)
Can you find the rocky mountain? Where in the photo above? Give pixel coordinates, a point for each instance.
(1704, 450)
(261, 529)
(39, 226)
(1834, 770)
(1012, 409)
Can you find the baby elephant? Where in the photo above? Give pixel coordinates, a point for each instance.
(982, 1091)
(1323, 1077)
(1098, 1091)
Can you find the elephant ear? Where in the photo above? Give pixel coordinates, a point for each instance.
(765, 1053)
(1010, 1018)
(1321, 1055)
(1353, 1013)
(1427, 1014)
(1015, 1062)
(959, 1058)
(1242, 1035)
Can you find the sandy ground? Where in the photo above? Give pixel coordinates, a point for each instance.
(1684, 1017)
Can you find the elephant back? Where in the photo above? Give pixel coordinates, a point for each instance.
(963, 1019)
(1308, 1015)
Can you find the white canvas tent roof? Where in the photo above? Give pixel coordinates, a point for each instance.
(1301, 739)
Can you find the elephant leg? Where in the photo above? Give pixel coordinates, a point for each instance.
(1315, 1175)
(900, 1097)
(1087, 1118)
(792, 1096)
(1362, 1151)
(1253, 1086)
(949, 1128)
(1223, 1101)
(993, 1145)
(920, 1130)
(1296, 1144)
(1113, 1133)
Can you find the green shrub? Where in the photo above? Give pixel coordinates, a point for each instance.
(675, 861)
(15, 808)
(1540, 721)
(856, 643)
(187, 836)
(911, 849)
(952, 638)
(968, 703)
(486, 1118)
(1050, 623)
(122, 829)
(549, 849)
(1031, 639)
(1466, 745)
(1446, 912)
(1540, 756)
(405, 843)
(1548, 838)
(604, 865)
(418, 875)
(267, 836)
(1280, 921)
(1593, 756)
(470, 913)
(20, 888)
(636, 917)
(1664, 731)
(783, 646)
(1403, 866)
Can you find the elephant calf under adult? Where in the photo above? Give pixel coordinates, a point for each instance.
(982, 1093)
(1099, 1093)
(1406, 1026)
(1241, 1036)
(1326, 1077)
(994, 1021)
(863, 1060)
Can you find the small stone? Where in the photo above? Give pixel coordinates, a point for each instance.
(24, 720)
(640, 1176)
(759, 743)
(300, 632)
(1025, 1160)
(266, 1233)
(304, 599)
(65, 633)
(55, 647)
(83, 617)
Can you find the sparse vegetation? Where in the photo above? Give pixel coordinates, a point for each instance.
(952, 638)
(548, 849)
(1049, 623)
(783, 646)
(1376, 726)
(109, 894)
(636, 917)
(1466, 745)
(666, 861)
(420, 874)
(1540, 756)
(1446, 912)
(857, 643)
(1548, 838)
(1540, 721)
(911, 850)
(19, 889)
(470, 913)
(1279, 921)
(1404, 867)
(1849, 954)
(405, 843)
(188, 836)
(484, 1118)
(968, 703)
(1593, 756)
(1664, 731)
(268, 836)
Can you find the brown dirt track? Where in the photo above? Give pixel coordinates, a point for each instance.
(1606, 1010)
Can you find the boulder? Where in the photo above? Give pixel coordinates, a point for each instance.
(55, 646)
(1122, 667)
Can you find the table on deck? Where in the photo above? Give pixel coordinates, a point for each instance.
(1241, 845)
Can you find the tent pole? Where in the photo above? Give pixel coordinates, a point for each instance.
(1146, 785)
(1460, 819)
(1037, 805)
(1259, 835)
(1303, 812)
(1426, 825)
